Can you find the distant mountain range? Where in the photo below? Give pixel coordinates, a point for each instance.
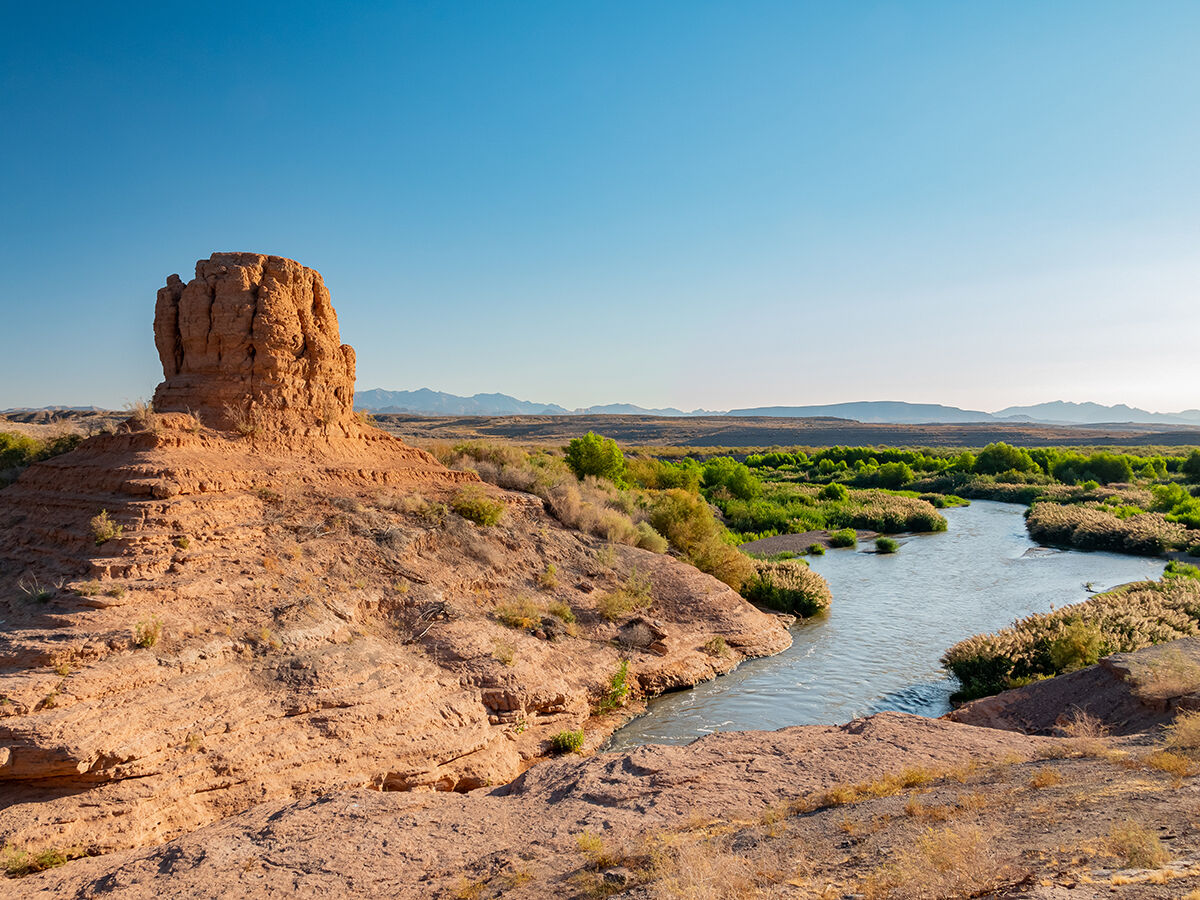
(438, 403)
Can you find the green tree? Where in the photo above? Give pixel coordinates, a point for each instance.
(595, 455)
(1191, 466)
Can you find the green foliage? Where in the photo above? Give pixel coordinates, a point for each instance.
(1078, 646)
(893, 475)
(1002, 457)
(1191, 466)
(617, 693)
(473, 503)
(844, 537)
(734, 477)
(657, 475)
(688, 523)
(886, 545)
(1047, 644)
(597, 456)
(105, 529)
(833, 491)
(1177, 569)
(567, 741)
(816, 550)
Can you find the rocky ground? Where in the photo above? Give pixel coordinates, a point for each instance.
(256, 598)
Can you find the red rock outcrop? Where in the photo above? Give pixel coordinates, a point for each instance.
(199, 616)
(252, 341)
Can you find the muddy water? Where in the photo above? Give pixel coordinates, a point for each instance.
(892, 618)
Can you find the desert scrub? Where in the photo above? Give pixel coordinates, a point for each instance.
(105, 529)
(18, 862)
(634, 594)
(843, 537)
(886, 545)
(1047, 644)
(504, 653)
(523, 614)
(548, 578)
(716, 646)
(561, 611)
(789, 586)
(567, 741)
(473, 504)
(1137, 846)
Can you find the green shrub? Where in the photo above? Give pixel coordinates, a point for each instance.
(816, 550)
(567, 741)
(472, 503)
(716, 646)
(597, 456)
(843, 537)
(789, 586)
(886, 545)
(687, 521)
(724, 473)
(617, 693)
(833, 491)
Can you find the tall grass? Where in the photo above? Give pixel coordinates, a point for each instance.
(1048, 644)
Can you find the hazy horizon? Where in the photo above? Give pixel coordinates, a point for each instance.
(690, 205)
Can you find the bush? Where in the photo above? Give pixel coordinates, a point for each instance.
(843, 537)
(886, 545)
(634, 594)
(147, 633)
(833, 491)
(687, 521)
(722, 472)
(816, 550)
(522, 614)
(1078, 646)
(597, 456)
(893, 475)
(567, 741)
(105, 529)
(788, 586)
(472, 503)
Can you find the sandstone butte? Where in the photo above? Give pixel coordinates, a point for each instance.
(282, 605)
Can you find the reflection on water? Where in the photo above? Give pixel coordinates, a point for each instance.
(892, 618)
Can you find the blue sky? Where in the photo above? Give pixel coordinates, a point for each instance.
(695, 204)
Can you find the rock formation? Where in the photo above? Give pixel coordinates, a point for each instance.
(247, 595)
(252, 342)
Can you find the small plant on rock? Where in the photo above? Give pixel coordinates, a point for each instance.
(548, 579)
(567, 741)
(716, 646)
(147, 633)
(886, 545)
(105, 529)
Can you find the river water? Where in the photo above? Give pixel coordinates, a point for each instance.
(892, 618)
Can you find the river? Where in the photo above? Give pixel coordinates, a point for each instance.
(892, 618)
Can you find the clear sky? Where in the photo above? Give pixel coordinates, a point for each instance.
(695, 204)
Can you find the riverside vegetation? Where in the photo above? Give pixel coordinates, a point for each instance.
(700, 511)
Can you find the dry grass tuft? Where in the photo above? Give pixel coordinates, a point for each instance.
(1045, 777)
(522, 613)
(956, 861)
(1183, 736)
(1137, 846)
